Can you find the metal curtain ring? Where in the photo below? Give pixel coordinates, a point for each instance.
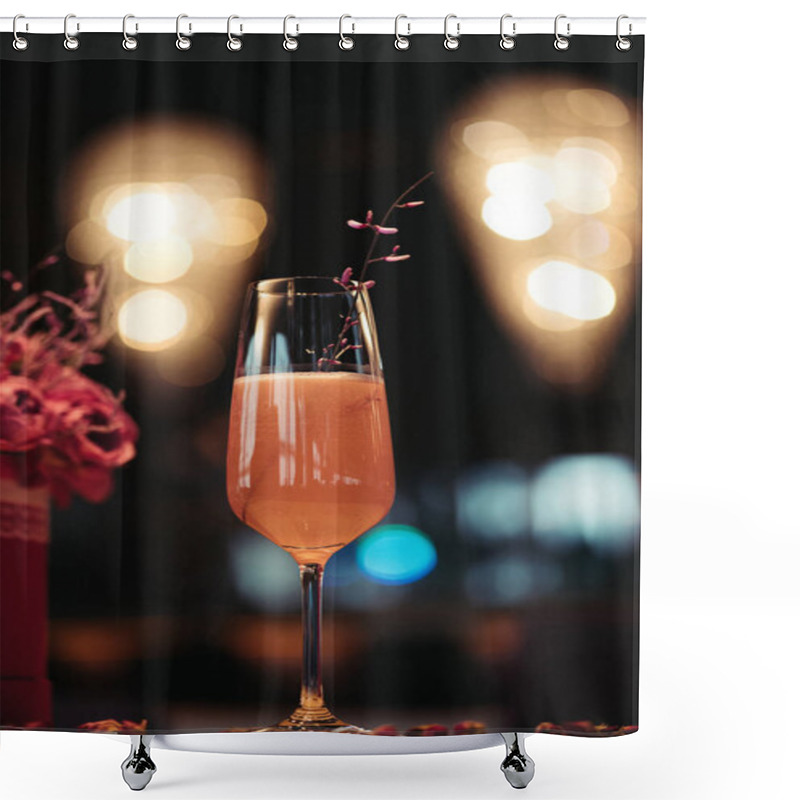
(507, 42)
(182, 42)
(346, 42)
(561, 42)
(234, 42)
(20, 42)
(623, 43)
(451, 42)
(71, 42)
(129, 42)
(401, 42)
(289, 42)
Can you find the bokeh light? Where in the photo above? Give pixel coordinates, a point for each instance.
(508, 580)
(571, 290)
(141, 215)
(264, 575)
(396, 554)
(492, 140)
(517, 207)
(177, 204)
(159, 260)
(590, 498)
(492, 501)
(203, 362)
(152, 319)
(583, 179)
(598, 107)
(544, 176)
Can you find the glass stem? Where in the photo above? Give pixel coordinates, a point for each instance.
(311, 586)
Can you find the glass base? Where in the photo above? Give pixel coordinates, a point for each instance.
(318, 719)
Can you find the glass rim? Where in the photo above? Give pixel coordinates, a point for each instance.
(270, 286)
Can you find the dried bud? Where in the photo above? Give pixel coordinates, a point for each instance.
(115, 726)
(469, 726)
(427, 730)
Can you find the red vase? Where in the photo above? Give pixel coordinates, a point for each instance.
(25, 691)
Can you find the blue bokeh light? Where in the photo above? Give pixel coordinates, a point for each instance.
(492, 501)
(508, 580)
(591, 498)
(396, 555)
(265, 575)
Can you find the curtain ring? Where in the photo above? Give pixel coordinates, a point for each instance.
(451, 42)
(71, 42)
(20, 42)
(346, 42)
(561, 42)
(401, 42)
(129, 42)
(507, 42)
(623, 43)
(182, 42)
(234, 42)
(289, 42)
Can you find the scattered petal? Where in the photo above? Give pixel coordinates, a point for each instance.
(381, 229)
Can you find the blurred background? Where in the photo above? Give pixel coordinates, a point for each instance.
(502, 586)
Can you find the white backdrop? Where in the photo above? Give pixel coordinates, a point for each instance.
(720, 705)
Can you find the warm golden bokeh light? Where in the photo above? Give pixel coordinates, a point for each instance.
(237, 221)
(141, 214)
(152, 319)
(544, 177)
(583, 180)
(516, 208)
(598, 107)
(589, 239)
(174, 209)
(495, 140)
(202, 363)
(159, 260)
(89, 242)
(571, 290)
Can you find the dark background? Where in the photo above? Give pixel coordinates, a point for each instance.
(144, 595)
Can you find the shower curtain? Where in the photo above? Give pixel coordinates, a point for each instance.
(471, 488)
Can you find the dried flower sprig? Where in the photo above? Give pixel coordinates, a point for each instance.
(59, 428)
(332, 353)
(46, 330)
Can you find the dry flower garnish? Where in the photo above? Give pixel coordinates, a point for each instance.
(345, 340)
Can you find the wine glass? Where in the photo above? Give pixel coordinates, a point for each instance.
(310, 463)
